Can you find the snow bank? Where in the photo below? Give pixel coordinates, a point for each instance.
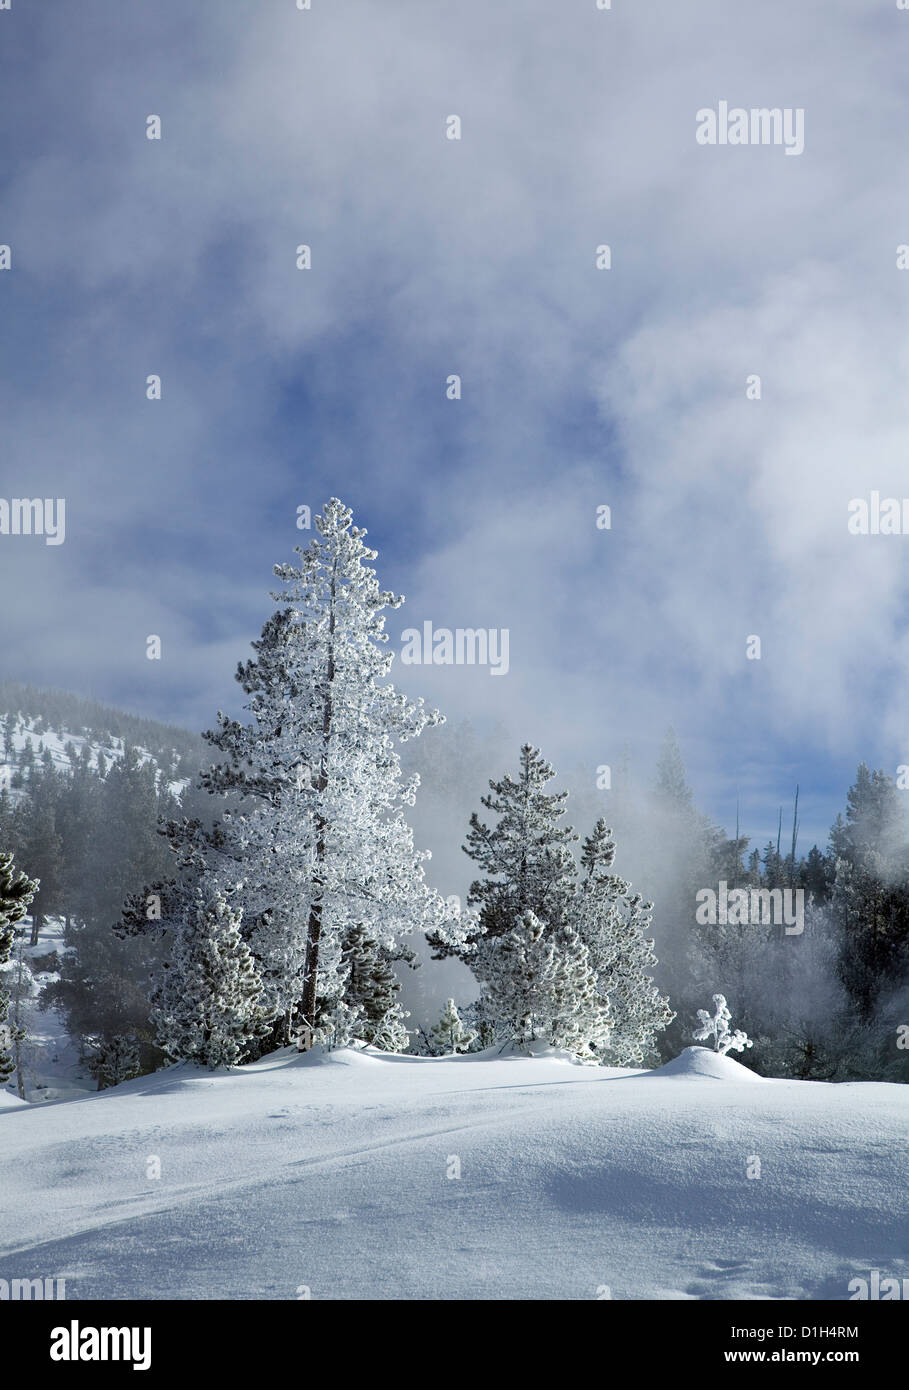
(10, 1102)
(701, 1061)
(365, 1176)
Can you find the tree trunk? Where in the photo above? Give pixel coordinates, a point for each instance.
(20, 1075)
(17, 1030)
(314, 927)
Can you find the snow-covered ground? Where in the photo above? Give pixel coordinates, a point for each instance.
(368, 1175)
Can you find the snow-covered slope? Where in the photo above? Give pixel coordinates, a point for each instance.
(56, 742)
(339, 1174)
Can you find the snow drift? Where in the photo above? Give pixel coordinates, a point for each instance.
(361, 1175)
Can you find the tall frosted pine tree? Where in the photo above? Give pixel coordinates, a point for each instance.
(327, 842)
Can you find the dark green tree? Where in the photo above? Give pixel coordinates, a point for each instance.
(17, 891)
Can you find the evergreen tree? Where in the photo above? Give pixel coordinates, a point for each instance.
(27, 757)
(449, 1035)
(16, 893)
(539, 985)
(22, 991)
(339, 1026)
(372, 987)
(114, 1060)
(104, 981)
(39, 843)
(772, 876)
(208, 1006)
(612, 922)
(870, 895)
(391, 1033)
(527, 859)
(672, 784)
(325, 843)
(78, 824)
(816, 874)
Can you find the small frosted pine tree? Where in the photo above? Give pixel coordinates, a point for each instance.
(391, 1033)
(612, 922)
(340, 1026)
(539, 986)
(449, 1035)
(717, 1028)
(208, 1007)
(16, 893)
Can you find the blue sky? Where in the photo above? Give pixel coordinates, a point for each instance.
(475, 257)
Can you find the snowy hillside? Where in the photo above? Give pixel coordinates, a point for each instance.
(25, 729)
(367, 1175)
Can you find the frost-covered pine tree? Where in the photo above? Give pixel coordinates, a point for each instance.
(16, 893)
(613, 922)
(391, 1033)
(716, 1026)
(539, 985)
(326, 844)
(340, 1026)
(208, 1007)
(449, 1035)
(372, 986)
(526, 857)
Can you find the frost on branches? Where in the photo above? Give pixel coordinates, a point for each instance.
(613, 922)
(391, 1033)
(526, 857)
(340, 1023)
(717, 1028)
(209, 1006)
(530, 914)
(370, 984)
(325, 843)
(539, 985)
(449, 1035)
